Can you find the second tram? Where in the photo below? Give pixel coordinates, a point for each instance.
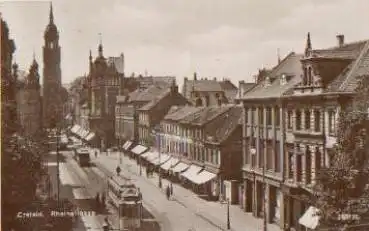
(82, 156)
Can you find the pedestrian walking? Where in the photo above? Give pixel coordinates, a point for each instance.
(168, 192)
(95, 154)
(147, 172)
(171, 189)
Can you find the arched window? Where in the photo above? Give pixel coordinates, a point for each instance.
(51, 45)
(310, 76)
(304, 78)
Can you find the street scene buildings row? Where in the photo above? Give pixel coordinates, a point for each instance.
(259, 145)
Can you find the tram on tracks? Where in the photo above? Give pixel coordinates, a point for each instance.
(127, 199)
(82, 156)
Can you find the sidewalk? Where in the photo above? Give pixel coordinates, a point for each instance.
(213, 212)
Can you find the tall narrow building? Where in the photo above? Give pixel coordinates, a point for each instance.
(52, 102)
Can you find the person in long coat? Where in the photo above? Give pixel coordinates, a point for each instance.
(168, 192)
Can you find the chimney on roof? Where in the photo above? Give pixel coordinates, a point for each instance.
(340, 40)
(206, 78)
(215, 78)
(195, 76)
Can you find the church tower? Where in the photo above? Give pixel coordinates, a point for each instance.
(52, 103)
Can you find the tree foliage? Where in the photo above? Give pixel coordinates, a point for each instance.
(342, 193)
(21, 172)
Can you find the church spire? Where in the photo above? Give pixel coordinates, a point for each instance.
(308, 45)
(51, 14)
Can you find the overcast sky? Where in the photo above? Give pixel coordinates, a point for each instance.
(216, 38)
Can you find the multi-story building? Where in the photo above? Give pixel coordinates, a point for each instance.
(126, 109)
(8, 82)
(264, 142)
(204, 145)
(290, 121)
(207, 92)
(150, 115)
(104, 85)
(29, 102)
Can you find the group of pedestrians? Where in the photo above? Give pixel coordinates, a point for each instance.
(149, 171)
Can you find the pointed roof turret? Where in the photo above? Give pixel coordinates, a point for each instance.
(308, 44)
(51, 14)
(100, 49)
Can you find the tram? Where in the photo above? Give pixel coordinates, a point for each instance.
(127, 198)
(82, 156)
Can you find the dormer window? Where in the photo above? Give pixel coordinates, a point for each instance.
(283, 79)
(268, 81)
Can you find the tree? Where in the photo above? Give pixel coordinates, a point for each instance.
(342, 194)
(21, 172)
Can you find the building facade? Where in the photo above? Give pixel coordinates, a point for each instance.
(150, 115)
(204, 144)
(104, 86)
(53, 96)
(208, 92)
(29, 102)
(290, 120)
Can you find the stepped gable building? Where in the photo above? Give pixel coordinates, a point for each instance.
(207, 92)
(8, 81)
(53, 94)
(290, 121)
(104, 85)
(29, 101)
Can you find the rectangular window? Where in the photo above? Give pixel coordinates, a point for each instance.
(307, 119)
(277, 158)
(277, 117)
(268, 116)
(298, 120)
(253, 116)
(291, 164)
(299, 167)
(261, 154)
(246, 159)
(261, 116)
(289, 120)
(317, 120)
(246, 115)
(269, 155)
(332, 122)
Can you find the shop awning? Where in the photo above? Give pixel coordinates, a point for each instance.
(310, 219)
(152, 156)
(161, 159)
(85, 134)
(180, 167)
(191, 172)
(139, 149)
(170, 163)
(127, 144)
(75, 128)
(203, 177)
(146, 155)
(90, 136)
